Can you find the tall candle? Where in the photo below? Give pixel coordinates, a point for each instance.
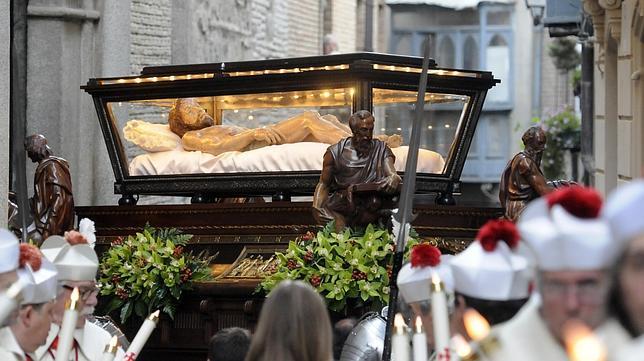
(66, 333)
(9, 300)
(110, 349)
(142, 336)
(419, 341)
(440, 319)
(399, 340)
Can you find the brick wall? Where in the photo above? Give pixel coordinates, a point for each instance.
(151, 31)
(269, 26)
(304, 26)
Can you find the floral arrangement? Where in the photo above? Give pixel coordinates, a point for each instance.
(563, 132)
(148, 271)
(341, 266)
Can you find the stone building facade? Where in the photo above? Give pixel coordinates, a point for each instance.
(619, 90)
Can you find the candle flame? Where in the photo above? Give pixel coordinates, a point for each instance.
(75, 295)
(419, 325)
(476, 325)
(582, 343)
(399, 324)
(463, 349)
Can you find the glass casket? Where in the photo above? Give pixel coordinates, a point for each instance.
(266, 124)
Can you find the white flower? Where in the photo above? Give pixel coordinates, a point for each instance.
(354, 262)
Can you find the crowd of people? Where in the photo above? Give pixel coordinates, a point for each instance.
(570, 258)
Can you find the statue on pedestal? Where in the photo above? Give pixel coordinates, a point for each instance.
(358, 180)
(52, 205)
(522, 179)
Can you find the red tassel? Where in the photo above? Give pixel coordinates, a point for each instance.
(30, 254)
(425, 255)
(495, 231)
(581, 202)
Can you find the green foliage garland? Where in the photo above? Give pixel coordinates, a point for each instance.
(149, 271)
(341, 266)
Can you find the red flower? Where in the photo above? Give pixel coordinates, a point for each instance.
(581, 202)
(30, 254)
(495, 231)
(74, 237)
(425, 255)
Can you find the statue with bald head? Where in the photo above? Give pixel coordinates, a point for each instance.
(52, 205)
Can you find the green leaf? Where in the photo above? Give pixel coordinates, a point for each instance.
(140, 309)
(126, 311)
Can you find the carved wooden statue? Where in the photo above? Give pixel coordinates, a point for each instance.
(358, 180)
(52, 205)
(522, 179)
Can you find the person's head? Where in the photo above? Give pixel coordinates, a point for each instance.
(38, 278)
(31, 325)
(77, 264)
(37, 148)
(329, 45)
(490, 275)
(293, 326)
(534, 139)
(574, 250)
(623, 210)
(187, 114)
(229, 344)
(341, 331)
(361, 124)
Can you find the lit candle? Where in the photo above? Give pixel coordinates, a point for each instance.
(476, 325)
(110, 349)
(582, 343)
(142, 336)
(9, 300)
(463, 348)
(440, 319)
(419, 341)
(399, 340)
(66, 333)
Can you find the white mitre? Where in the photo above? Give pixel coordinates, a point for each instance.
(496, 273)
(9, 251)
(562, 241)
(38, 285)
(414, 282)
(76, 262)
(624, 211)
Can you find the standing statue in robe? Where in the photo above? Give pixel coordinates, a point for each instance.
(52, 205)
(358, 178)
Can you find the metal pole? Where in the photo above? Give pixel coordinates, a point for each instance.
(587, 101)
(406, 203)
(18, 110)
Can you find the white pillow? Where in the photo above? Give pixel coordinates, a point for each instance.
(151, 137)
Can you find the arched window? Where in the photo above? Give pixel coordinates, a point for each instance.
(470, 53)
(446, 53)
(497, 56)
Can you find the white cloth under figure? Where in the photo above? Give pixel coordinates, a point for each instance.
(303, 156)
(90, 341)
(10, 350)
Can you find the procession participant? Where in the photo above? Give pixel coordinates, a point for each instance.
(29, 329)
(623, 211)
(9, 254)
(77, 265)
(574, 251)
(489, 275)
(415, 283)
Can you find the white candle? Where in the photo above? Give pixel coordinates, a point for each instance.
(66, 333)
(9, 300)
(419, 341)
(399, 340)
(142, 336)
(110, 349)
(440, 320)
